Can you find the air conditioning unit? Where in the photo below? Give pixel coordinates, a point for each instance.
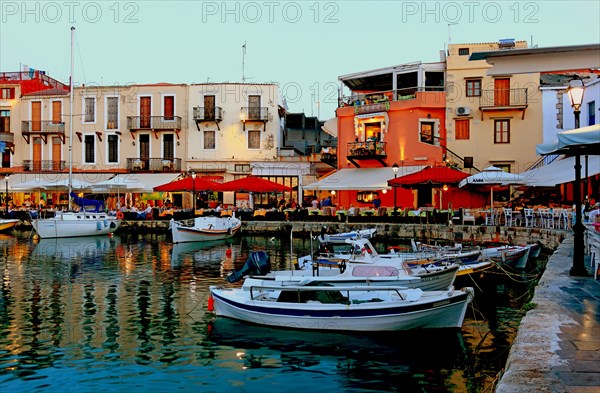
(463, 110)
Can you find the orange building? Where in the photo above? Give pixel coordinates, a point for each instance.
(393, 115)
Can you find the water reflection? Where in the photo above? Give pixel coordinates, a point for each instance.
(120, 313)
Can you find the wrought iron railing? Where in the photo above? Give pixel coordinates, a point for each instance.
(154, 164)
(251, 113)
(366, 149)
(43, 165)
(42, 126)
(503, 97)
(386, 96)
(201, 113)
(154, 122)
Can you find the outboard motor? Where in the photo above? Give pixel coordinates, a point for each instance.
(257, 263)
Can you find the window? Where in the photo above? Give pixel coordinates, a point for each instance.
(168, 146)
(473, 88)
(56, 112)
(112, 113)
(4, 121)
(209, 140)
(8, 93)
(113, 149)
(89, 112)
(366, 196)
(463, 51)
(254, 139)
(169, 107)
(209, 107)
(461, 128)
(88, 142)
(427, 132)
(502, 131)
(242, 168)
(591, 113)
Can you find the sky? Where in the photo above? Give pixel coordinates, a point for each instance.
(304, 46)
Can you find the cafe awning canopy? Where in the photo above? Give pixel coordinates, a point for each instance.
(584, 140)
(190, 184)
(436, 175)
(360, 179)
(254, 184)
(560, 171)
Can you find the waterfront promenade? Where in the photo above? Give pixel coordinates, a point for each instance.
(557, 348)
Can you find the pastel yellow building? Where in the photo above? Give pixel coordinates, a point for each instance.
(491, 120)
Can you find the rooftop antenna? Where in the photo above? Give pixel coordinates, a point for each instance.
(449, 39)
(244, 78)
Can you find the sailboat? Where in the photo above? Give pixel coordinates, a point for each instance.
(69, 223)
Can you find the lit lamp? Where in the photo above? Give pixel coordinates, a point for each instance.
(332, 192)
(395, 169)
(194, 192)
(575, 91)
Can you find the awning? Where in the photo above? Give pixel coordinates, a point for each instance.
(145, 182)
(54, 181)
(363, 179)
(560, 171)
(330, 127)
(585, 140)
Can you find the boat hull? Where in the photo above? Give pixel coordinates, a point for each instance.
(441, 310)
(7, 224)
(75, 225)
(205, 229)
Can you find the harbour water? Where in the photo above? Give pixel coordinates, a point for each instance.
(130, 314)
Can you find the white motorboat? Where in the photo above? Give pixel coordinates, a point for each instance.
(8, 223)
(371, 270)
(513, 256)
(352, 308)
(204, 229)
(73, 224)
(324, 237)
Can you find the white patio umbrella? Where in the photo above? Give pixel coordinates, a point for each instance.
(492, 176)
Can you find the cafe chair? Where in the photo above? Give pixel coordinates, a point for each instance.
(529, 217)
(468, 216)
(509, 220)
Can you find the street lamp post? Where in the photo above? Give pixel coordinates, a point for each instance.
(6, 195)
(194, 193)
(575, 91)
(395, 169)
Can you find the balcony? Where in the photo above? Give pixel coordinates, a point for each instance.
(503, 100)
(44, 165)
(203, 114)
(255, 114)
(369, 150)
(154, 123)
(380, 101)
(42, 128)
(329, 156)
(154, 165)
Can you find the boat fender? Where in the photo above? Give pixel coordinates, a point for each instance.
(99, 225)
(211, 304)
(105, 223)
(120, 215)
(229, 231)
(342, 266)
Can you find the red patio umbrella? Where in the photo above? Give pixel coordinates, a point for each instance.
(189, 184)
(430, 175)
(253, 184)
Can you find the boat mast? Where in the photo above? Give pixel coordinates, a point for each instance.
(71, 119)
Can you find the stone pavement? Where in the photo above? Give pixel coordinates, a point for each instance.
(557, 348)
